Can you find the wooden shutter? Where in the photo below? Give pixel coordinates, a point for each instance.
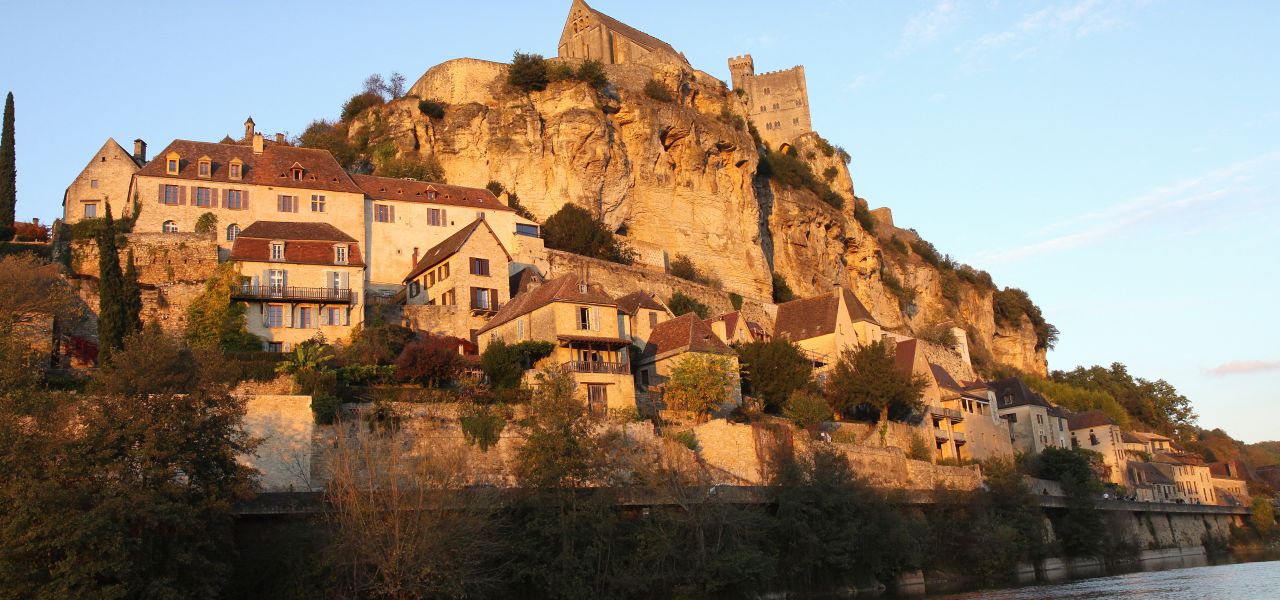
(264, 314)
(345, 280)
(595, 318)
(391, 213)
(444, 217)
(160, 196)
(182, 195)
(296, 202)
(223, 202)
(244, 197)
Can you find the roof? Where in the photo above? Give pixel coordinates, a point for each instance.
(944, 379)
(524, 280)
(1085, 420)
(450, 246)
(1161, 457)
(1151, 474)
(1128, 438)
(1147, 436)
(904, 356)
(686, 333)
(812, 317)
(288, 230)
(411, 190)
(593, 338)
(564, 288)
(320, 171)
(633, 302)
(1022, 395)
(643, 39)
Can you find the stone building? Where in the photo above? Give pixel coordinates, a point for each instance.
(675, 340)
(827, 325)
(736, 328)
(592, 35)
(296, 279)
(1094, 430)
(644, 313)
(978, 431)
(106, 178)
(469, 266)
(1034, 423)
(777, 101)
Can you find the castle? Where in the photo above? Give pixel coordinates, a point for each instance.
(777, 101)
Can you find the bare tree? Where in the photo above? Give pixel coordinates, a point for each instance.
(31, 288)
(396, 86)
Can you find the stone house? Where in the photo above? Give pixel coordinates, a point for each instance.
(296, 279)
(1150, 484)
(1034, 423)
(107, 177)
(673, 341)
(941, 427)
(1094, 430)
(1193, 481)
(589, 34)
(978, 430)
(827, 325)
(589, 331)
(734, 328)
(471, 264)
(1152, 442)
(644, 313)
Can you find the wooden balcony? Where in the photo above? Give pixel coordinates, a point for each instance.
(594, 366)
(320, 295)
(947, 413)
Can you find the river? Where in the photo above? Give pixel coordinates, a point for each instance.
(1248, 581)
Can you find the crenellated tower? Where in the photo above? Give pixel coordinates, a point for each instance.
(777, 101)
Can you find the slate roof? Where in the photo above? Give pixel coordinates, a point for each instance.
(812, 317)
(1151, 474)
(450, 246)
(561, 289)
(524, 280)
(272, 167)
(633, 302)
(944, 379)
(1022, 395)
(686, 333)
(305, 243)
(1085, 420)
(409, 190)
(643, 39)
(904, 356)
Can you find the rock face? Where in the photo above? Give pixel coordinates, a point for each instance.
(681, 176)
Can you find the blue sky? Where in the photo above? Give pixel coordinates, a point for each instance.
(1118, 160)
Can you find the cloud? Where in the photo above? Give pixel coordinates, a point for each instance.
(1070, 20)
(1243, 367)
(1234, 183)
(925, 27)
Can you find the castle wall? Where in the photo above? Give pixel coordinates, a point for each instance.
(777, 101)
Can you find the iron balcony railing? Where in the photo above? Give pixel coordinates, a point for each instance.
(294, 294)
(594, 366)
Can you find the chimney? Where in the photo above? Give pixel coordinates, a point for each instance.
(415, 257)
(248, 129)
(279, 138)
(35, 221)
(257, 141)
(139, 151)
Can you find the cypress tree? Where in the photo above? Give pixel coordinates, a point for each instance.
(132, 297)
(8, 173)
(113, 316)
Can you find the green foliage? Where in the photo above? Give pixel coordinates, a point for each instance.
(866, 378)
(927, 252)
(686, 438)
(364, 375)
(132, 296)
(1077, 398)
(8, 173)
(790, 171)
(843, 155)
(207, 224)
(729, 118)
(360, 103)
(906, 296)
(376, 343)
(781, 291)
(1263, 516)
(332, 137)
(987, 532)
(253, 366)
(1011, 304)
(773, 371)
(919, 449)
(656, 90)
(896, 244)
(306, 356)
(808, 409)
(412, 166)
(735, 300)
(825, 147)
(513, 201)
(432, 108)
(430, 360)
(681, 304)
(504, 364)
(1156, 404)
(940, 334)
(592, 73)
(829, 174)
(528, 72)
(573, 229)
(699, 383)
(214, 321)
(113, 310)
(324, 408)
(1080, 530)
(682, 266)
(482, 425)
(862, 214)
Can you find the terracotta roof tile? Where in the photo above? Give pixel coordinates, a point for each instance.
(305, 244)
(450, 246)
(409, 190)
(272, 167)
(633, 302)
(1085, 420)
(289, 230)
(686, 333)
(561, 289)
(812, 317)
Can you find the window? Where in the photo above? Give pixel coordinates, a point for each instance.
(275, 346)
(795, 121)
(1012, 418)
(204, 197)
(1040, 419)
(766, 90)
(431, 279)
(93, 183)
(205, 167)
(304, 318)
(297, 172)
(335, 316)
(275, 279)
(235, 199)
(653, 319)
(317, 203)
(275, 316)
(335, 280)
(768, 125)
(170, 195)
(172, 163)
(90, 211)
(286, 203)
(480, 266)
(526, 229)
(415, 288)
(431, 195)
(277, 251)
(235, 169)
(437, 216)
(383, 213)
(233, 231)
(483, 299)
(169, 227)
(775, 106)
(340, 255)
(584, 317)
(444, 271)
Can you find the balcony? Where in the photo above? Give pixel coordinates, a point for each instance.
(947, 413)
(294, 294)
(594, 366)
(958, 438)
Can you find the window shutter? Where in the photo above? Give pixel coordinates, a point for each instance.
(288, 316)
(346, 280)
(391, 213)
(295, 203)
(444, 218)
(347, 317)
(595, 318)
(160, 195)
(284, 278)
(264, 313)
(221, 203)
(244, 199)
(324, 315)
(182, 194)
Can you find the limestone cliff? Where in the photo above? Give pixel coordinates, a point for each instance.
(683, 177)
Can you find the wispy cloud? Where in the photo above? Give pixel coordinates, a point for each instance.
(925, 27)
(1071, 20)
(1244, 367)
(1234, 181)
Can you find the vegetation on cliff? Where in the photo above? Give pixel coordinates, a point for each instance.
(574, 229)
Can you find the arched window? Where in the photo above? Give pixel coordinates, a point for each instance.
(169, 227)
(233, 231)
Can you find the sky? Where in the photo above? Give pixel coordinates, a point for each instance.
(1120, 160)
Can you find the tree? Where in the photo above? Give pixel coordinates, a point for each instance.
(528, 72)
(395, 86)
(681, 304)
(656, 90)
(573, 229)
(867, 377)
(1263, 516)
(1081, 529)
(376, 342)
(207, 224)
(8, 173)
(359, 103)
(113, 310)
(808, 409)
(504, 364)
(592, 72)
(31, 288)
(561, 446)
(772, 371)
(781, 291)
(308, 356)
(699, 382)
(431, 360)
(214, 320)
(132, 296)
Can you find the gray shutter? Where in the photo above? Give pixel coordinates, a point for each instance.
(223, 202)
(244, 196)
(182, 195)
(345, 281)
(444, 218)
(160, 195)
(323, 317)
(595, 318)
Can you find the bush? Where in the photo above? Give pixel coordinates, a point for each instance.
(808, 409)
(365, 375)
(735, 300)
(868, 379)
(790, 171)
(940, 334)
(430, 360)
(681, 304)
(698, 383)
(592, 73)
(825, 147)
(253, 366)
(682, 266)
(432, 108)
(729, 118)
(781, 291)
(919, 449)
(926, 251)
(1011, 304)
(482, 426)
(412, 167)
(376, 343)
(896, 244)
(325, 409)
(207, 224)
(656, 90)
(906, 296)
(528, 72)
(773, 371)
(573, 229)
(830, 173)
(862, 214)
(360, 103)
(504, 364)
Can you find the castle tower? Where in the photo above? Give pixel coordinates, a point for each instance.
(777, 102)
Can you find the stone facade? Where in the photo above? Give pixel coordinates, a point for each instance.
(591, 35)
(777, 102)
(106, 178)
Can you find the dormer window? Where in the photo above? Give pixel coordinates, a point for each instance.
(204, 167)
(431, 195)
(171, 163)
(340, 254)
(235, 168)
(296, 171)
(277, 250)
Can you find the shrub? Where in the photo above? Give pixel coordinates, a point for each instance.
(1011, 304)
(735, 300)
(825, 147)
(207, 224)
(728, 118)
(573, 229)
(906, 296)
(830, 173)
(432, 108)
(781, 291)
(940, 334)
(325, 409)
(790, 171)
(30, 232)
(919, 449)
(482, 426)
(360, 103)
(560, 71)
(363, 375)
(430, 360)
(862, 214)
(682, 266)
(896, 244)
(656, 90)
(926, 251)
(314, 382)
(504, 364)
(699, 383)
(772, 371)
(808, 409)
(681, 304)
(214, 320)
(528, 72)
(332, 137)
(376, 343)
(868, 378)
(686, 438)
(843, 155)
(411, 167)
(592, 73)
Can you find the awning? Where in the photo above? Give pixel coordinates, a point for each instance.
(613, 341)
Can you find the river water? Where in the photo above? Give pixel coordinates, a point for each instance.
(1245, 581)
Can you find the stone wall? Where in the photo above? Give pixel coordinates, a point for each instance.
(452, 319)
(161, 258)
(286, 427)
